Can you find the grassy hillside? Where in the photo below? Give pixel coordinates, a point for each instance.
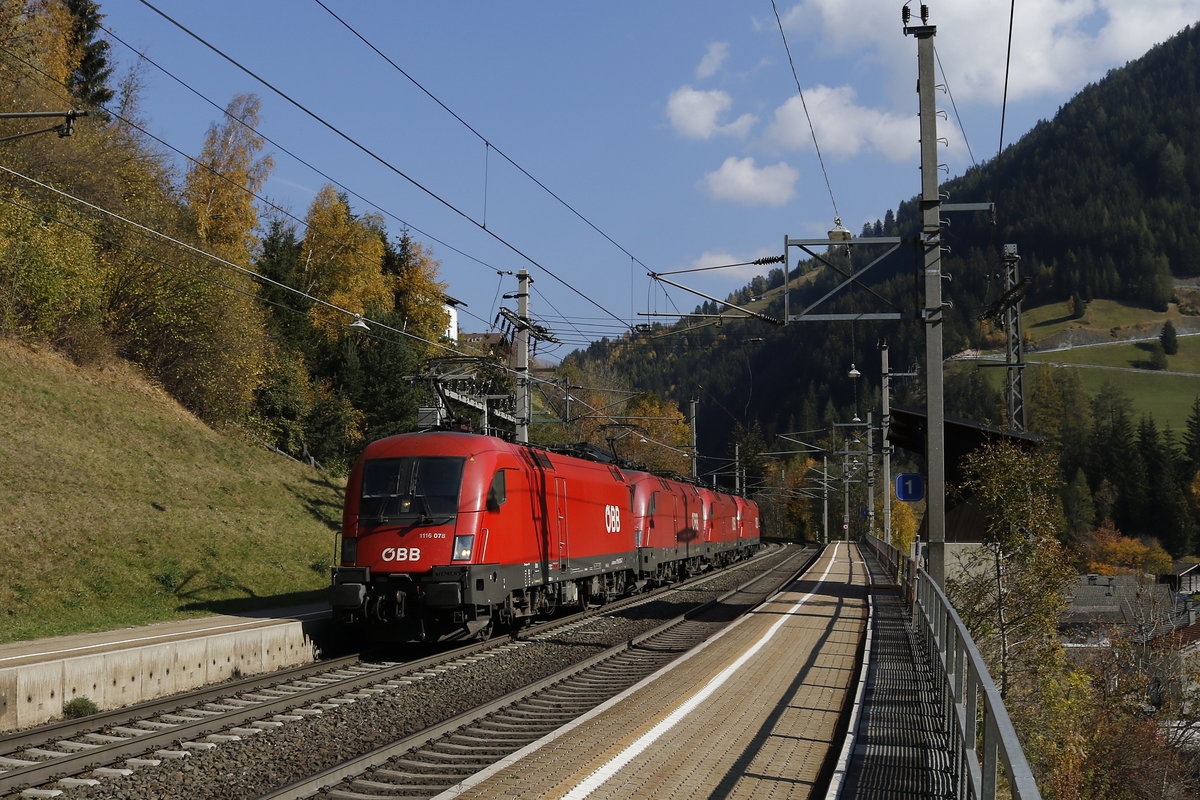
(1166, 395)
(119, 508)
(1103, 319)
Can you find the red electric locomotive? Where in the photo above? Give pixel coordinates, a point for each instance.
(666, 519)
(449, 534)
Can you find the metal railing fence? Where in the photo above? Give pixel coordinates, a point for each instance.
(983, 739)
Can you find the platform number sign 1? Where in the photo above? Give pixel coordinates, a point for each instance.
(910, 487)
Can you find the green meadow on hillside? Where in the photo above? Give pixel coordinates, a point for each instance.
(1166, 395)
(1102, 317)
(120, 508)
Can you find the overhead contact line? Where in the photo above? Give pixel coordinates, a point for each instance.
(376, 157)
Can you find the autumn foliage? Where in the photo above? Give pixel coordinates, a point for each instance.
(1105, 551)
(159, 271)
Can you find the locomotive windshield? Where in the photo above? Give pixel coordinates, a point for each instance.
(420, 489)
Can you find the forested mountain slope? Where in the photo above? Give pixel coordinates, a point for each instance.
(1101, 201)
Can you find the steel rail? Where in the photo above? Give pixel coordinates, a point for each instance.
(15, 778)
(306, 787)
(15, 741)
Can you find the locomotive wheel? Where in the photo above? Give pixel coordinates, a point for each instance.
(485, 633)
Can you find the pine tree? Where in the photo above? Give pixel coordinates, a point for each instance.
(1078, 306)
(1158, 357)
(1078, 506)
(88, 82)
(1168, 339)
(1191, 437)
(418, 296)
(1163, 512)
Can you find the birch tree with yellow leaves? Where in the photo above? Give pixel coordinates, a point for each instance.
(341, 261)
(225, 333)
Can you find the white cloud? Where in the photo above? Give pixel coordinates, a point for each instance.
(842, 127)
(1057, 45)
(714, 258)
(696, 114)
(713, 59)
(741, 181)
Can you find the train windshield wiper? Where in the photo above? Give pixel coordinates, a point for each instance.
(427, 517)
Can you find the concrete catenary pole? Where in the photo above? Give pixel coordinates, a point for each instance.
(931, 244)
(825, 498)
(884, 422)
(695, 448)
(870, 474)
(524, 410)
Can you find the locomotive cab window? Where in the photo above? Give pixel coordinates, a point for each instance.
(498, 492)
(416, 490)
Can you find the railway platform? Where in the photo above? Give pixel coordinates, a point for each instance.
(758, 711)
(123, 667)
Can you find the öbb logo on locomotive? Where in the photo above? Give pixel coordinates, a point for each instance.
(612, 519)
(451, 535)
(401, 554)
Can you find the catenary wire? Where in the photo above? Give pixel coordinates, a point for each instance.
(489, 144)
(375, 156)
(1012, 11)
(222, 261)
(198, 251)
(946, 83)
(277, 145)
(804, 104)
(265, 279)
(133, 124)
(206, 278)
(568, 321)
(251, 273)
(264, 200)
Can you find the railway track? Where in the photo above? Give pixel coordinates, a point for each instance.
(73, 756)
(446, 755)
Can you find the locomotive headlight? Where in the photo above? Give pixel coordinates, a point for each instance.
(349, 550)
(463, 545)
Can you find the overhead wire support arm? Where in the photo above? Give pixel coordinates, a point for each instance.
(688, 316)
(850, 278)
(658, 277)
(758, 262)
(64, 128)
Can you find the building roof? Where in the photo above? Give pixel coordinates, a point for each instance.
(1123, 603)
(1181, 638)
(908, 430)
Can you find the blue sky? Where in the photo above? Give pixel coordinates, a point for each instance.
(673, 127)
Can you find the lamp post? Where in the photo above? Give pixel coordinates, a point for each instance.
(845, 496)
(825, 497)
(870, 474)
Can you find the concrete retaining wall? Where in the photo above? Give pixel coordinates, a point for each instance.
(32, 694)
